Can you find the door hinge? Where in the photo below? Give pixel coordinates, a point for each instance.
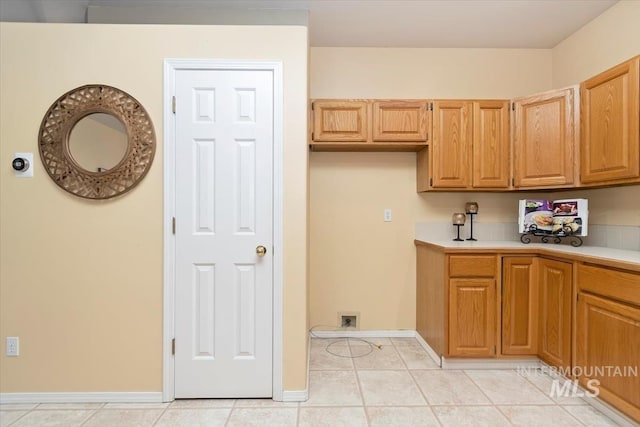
(173, 104)
(513, 106)
(313, 106)
(173, 225)
(173, 346)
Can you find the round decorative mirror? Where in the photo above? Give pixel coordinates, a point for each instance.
(96, 142)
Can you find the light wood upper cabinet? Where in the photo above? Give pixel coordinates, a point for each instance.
(340, 121)
(470, 147)
(610, 139)
(491, 143)
(554, 328)
(400, 121)
(451, 146)
(545, 137)
(519, 306)
(369, 125)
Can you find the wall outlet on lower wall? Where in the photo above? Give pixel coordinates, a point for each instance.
(349, 320)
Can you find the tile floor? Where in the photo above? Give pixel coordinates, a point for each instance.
(396, 385)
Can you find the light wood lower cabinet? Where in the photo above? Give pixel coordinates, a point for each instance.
(554, 282)
(519, 306)
(472, 325)
(456, 302)
(608, 335)
(458, 314)
(472, 305)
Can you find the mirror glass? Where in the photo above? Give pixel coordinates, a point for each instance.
(98, 142)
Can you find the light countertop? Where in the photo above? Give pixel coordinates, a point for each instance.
(629, 259)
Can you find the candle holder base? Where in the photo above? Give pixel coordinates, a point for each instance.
(458, 239)
(471, 214)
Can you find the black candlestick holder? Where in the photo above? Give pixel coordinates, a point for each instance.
(458, 239)
(471, 214)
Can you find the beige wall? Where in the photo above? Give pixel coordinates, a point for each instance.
(427, 73)
(611, 38)
(358, 262)
(81, 281)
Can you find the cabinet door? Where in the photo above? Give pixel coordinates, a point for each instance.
(519, 306)
(400, 121)
(608, 337)
(491, 161)
(554, 328)
(545, 139)
(451, 154)
(472, 326)
(340, 121)
(610, 137)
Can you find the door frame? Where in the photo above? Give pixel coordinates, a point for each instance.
(171, 66)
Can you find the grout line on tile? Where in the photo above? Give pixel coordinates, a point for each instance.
(574, 417)
(424, 396)
(480, 388)
(231, 411)
(20, 417)
(92, 415)
(162, 413)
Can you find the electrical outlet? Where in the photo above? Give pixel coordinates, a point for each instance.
(387, 215)
(13, 346)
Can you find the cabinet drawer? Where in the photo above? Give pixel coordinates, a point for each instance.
(472, 266)
(616, 284)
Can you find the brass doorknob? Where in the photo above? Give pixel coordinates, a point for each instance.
(261, 250)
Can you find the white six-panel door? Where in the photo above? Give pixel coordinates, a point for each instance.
(224, 212)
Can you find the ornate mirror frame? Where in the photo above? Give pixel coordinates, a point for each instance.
(69, 109)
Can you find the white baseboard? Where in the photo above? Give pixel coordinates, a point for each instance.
(463, 363)
(345, 333)
(102, 397)
(295, 395)
(431, 352)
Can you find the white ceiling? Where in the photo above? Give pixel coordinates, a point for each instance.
(379, 23)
